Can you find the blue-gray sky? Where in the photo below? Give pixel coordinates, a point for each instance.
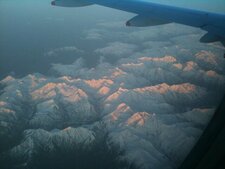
(30, 28)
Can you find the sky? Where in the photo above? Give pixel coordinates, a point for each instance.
(29, 29)
(208, 5)
(65, 72)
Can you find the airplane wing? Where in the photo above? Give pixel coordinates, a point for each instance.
(150, 14)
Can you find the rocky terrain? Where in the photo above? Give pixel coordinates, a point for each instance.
(146, 112)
